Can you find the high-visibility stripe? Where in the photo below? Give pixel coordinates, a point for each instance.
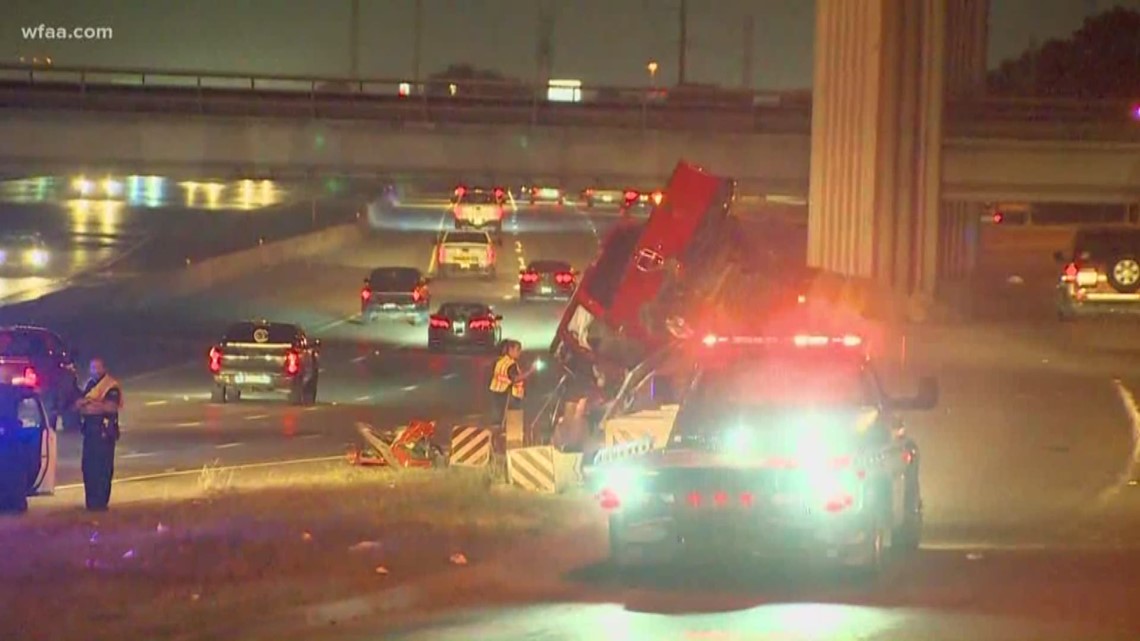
(500, 378)
(624, 450)
(532, 468)
(470, 447)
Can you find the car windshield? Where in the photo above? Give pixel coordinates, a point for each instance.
(394, 278)
(23, 344)
(478, 198)
(466, 237)
(249, 333)
(549, 266)
(463, 310)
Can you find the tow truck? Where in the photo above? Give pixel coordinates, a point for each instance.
(784, 445)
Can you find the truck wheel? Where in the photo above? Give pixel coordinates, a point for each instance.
(218, 394)
(872, 561)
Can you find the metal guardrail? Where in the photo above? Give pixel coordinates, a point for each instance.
(504, 102)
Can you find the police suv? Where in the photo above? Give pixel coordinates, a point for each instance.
(782, 446)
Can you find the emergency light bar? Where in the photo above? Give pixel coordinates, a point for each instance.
(799, 340)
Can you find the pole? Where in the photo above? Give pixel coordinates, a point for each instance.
(354, 41)
(683, 45)
(746, 53)
(418, 44)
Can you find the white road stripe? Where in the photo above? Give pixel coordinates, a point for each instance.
(256, 417)
(1130, 468)
(155, 403)
(137, 455)
(226, 446)
(188, 424)
(360, 359)
(451, 375)
(362, 398)
(409, 388)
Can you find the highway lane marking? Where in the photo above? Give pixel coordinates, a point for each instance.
(362, 398)
(451, 375)
(256, 417)
(1128, 474)
(198, 470)
(309, 437)
(410, 388)
(188, 424)
(155, 403)
(360, 359)
(226, 446)
(137, 455)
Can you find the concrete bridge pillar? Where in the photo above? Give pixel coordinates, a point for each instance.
(878, 94)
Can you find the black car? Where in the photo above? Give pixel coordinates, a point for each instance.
(395, 292)
(23, 253)
(38, 358)
(547, 280)
(464, 325)
(262, 356)
(792, 449)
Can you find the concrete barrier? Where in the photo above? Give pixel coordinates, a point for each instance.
(208, 273)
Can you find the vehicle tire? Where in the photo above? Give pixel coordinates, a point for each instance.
(219, 394)
(1124, 274)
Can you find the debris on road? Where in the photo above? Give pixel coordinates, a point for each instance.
(458, 559)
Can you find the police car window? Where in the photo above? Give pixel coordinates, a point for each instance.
(466, 237)
(245, 333)
(18, 343)
(29, 414)
(478, 198)
(780, 382)
(394, 277)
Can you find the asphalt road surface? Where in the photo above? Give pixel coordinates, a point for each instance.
(126, 224)
(1028, 464)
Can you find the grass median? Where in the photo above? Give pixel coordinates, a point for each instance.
(175, 559)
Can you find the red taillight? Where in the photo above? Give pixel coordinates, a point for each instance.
(609, 499)
(998, 217)
(499, 193)
(417, 295)
(529, 277)
(439, 254)
(564, 278)
(693, 499)
(746, 499)
(839, 503)
(215, 360)
(1071, 271)
(481, 324)
(292, 363)
(720, 499)
(365, 294)
(630, 195)
(460, 191)
(30, 378)
(589, 192)
(491, 254)
(439, 322)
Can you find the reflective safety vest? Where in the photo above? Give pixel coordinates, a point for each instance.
(99, 391)
(501, 378)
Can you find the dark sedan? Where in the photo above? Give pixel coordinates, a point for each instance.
(457, 325)
(547, 280)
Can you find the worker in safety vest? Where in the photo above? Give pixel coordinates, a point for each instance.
(99, 404)
(508, 381)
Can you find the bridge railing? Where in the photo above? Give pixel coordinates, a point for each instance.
(505, 102)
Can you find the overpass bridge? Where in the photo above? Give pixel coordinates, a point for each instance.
(60, 118)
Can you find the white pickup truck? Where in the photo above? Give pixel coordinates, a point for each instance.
(479, 208)
(466, 252)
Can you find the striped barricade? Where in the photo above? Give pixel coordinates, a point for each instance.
(543, 469)
(656, 424)
(470, 446)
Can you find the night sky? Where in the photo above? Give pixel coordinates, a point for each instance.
(598, 41)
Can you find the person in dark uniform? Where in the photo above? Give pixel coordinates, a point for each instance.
(98, 407)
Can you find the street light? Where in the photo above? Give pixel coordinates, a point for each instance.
(652, 68)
